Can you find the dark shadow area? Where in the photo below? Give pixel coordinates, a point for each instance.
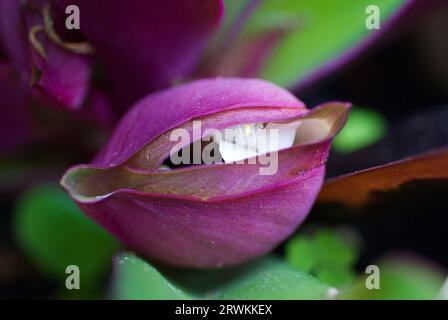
(411, 218)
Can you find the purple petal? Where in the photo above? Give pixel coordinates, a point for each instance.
(210, 215)
(63, 76)
(14, 123)
(147, 45)
(13, 36)
(97, 109)
(207, 234)
(245, 57)
(160, 112)
(56, 74)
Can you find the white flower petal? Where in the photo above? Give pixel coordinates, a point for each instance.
(249, 140)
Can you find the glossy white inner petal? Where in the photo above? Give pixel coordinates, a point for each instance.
(249, 140)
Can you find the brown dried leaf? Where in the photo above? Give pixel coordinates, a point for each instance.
(354, 190)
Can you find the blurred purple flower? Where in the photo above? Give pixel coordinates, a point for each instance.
(145, 46)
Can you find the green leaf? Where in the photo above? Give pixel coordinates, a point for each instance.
(333, 249)
(232, 11)
(324, 30)
(300, 252)
(337, 276)
(273, 278)
(325, 254)
(54, 233)
(363, 128)
(400, 278)
(266, 278)
(134, 279)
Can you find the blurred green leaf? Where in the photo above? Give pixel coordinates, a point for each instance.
(363, 128)
(333, 249)
(134, 279)
(337, 276)
(233, 10)
(325, 254)
(400, 279)
(273, 278)
(266, 278)
(300, 252)
(54, 233)
(323, 31)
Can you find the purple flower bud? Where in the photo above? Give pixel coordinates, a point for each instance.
(207, 215)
